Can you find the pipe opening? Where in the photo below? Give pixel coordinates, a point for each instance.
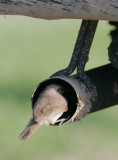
(69, 93)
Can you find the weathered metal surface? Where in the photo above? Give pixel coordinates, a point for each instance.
(113, 47)
(60, 9)
(75, 92)
(81, 53)
(105, 79)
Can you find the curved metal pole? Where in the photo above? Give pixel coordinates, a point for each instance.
(80, 55)
(84, 58)
(77, 50)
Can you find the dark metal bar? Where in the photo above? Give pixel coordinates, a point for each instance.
(113, 47)
(77, 50)
(80, 55)
(105, 79)
(114, 32)
(82, 60)
(81, 49)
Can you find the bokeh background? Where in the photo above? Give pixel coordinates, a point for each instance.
(30, 51)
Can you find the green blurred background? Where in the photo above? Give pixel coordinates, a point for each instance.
(30, 51)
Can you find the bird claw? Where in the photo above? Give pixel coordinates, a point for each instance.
(61, 121)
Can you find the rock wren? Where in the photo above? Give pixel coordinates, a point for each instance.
(49, 106)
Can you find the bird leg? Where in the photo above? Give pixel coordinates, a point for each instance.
(60, 120)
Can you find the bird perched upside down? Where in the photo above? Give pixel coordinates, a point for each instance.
(49, 106)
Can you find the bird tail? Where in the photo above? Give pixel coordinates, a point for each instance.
(30, 128)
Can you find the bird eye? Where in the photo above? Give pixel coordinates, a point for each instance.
(61, 90)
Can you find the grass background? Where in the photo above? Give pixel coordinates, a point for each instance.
(30, 51)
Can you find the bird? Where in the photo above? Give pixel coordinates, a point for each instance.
(47, 110)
